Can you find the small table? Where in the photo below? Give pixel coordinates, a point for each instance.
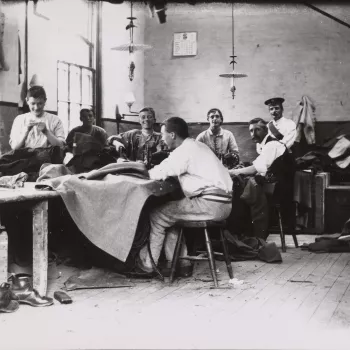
(38, 202)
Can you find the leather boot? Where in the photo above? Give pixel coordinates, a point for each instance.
(21, 287)
(8, 301)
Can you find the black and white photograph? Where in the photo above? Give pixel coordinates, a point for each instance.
(174, 174)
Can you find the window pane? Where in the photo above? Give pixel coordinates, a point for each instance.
(75, 84)
(87, 87)
(74, 119)
(62, 81)
(62, 112)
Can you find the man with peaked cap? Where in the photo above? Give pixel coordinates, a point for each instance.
(281, 128)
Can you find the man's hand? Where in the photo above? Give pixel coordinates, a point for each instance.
(234, 172)
(31, 124)
(41, 127)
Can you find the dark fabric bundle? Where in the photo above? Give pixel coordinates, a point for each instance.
(29, 160)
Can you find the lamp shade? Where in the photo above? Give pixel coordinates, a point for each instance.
(35, 81)
(130, 98)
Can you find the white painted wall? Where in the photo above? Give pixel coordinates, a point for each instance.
(115, 80)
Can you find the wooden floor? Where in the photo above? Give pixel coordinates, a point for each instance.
(302, 303)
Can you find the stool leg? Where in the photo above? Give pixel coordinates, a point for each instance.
(283, 241)
(176, 256)
(154, 266)
(295, 239)
(211, 257)
(226, 256)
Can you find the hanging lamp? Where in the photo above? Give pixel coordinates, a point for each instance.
(232, 75)
(131, 47)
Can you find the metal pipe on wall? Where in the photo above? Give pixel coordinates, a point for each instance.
(98, 51)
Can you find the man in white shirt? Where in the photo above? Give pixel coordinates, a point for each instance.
(205, 182)
(281, 128)
(36, 128)
(274, 164)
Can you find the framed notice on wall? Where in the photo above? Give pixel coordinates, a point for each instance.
(185, 44)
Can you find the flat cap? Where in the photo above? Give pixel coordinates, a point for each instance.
(274, 101)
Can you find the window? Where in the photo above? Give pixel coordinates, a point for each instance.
(75, 90)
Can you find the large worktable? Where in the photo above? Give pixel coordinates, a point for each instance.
(37, 200)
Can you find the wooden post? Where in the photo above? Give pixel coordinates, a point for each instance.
(40, 250)
(3, 256)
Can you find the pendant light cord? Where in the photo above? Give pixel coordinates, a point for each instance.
(132, 25)
(233, 41)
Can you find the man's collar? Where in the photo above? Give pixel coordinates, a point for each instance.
(279, 120)
(262, 143)
(219, 134)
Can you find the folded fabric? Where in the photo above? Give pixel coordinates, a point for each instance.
(247, 248)
(124, 168)
(96, 278)
(340, 148)
(330, 246)
(14, 181)
(50, 171)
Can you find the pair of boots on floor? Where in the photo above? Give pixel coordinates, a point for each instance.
(20, 290)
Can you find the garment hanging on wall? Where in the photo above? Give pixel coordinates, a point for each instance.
(3, 64)
(304, 118)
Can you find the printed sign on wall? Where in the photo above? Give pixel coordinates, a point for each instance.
(185, 44)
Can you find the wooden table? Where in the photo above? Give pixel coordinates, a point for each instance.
(38, 202)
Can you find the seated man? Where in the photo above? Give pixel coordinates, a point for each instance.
(89, 128)
(220, 141)
(36, 128)
(274, 164)
(30, 132)
(139, 145)
(279, 127)
(87, 146)
(206, 185)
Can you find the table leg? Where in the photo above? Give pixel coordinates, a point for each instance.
(40, 240)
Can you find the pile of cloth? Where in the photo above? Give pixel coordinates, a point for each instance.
(329, 243)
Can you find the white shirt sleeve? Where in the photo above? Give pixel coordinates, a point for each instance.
(269, 153)
(290, 134)
(175, 165)
(17, 131)
(232, 144)
(58, 130)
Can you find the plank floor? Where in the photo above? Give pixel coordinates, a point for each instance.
(302, 303)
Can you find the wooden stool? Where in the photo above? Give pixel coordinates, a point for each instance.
(280, 222)
(205, 225)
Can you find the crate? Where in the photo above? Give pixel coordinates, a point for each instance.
(337, 208)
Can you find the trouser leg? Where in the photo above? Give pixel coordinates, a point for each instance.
(166, 215)
(171, 238)
(255, 197)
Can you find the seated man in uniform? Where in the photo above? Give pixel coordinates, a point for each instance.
(281, 128)
(140, 145)
(274, 164)
(207, 187)
(219, 140)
